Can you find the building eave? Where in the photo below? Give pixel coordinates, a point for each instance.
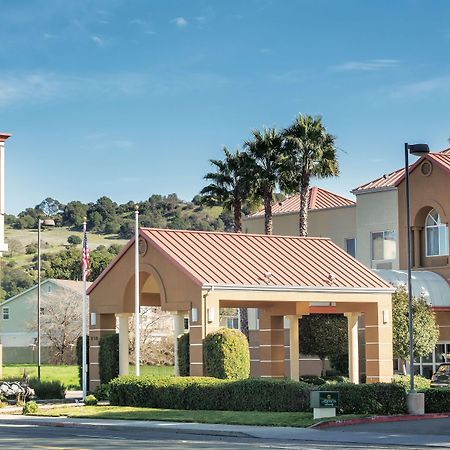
(317, 289)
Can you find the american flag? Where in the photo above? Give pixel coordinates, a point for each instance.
(85, 256)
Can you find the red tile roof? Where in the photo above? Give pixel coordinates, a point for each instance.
(318, 198)
(393, 179)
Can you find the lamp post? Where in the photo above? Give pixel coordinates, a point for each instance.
(416, 150)
(45, 223)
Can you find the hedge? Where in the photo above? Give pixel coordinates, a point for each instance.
(437, 400)
(80, 358)
(108, 358)
(253, 394)
(183, 355)
(210, 394)
(46, 390)
(375, 398)
(226, 354)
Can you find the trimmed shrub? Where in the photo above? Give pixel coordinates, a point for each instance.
(108, 358)
(312, 379)
(376, 398)
(102, 392)
(183, 354)
(30, 408)
(226, 354)
(90, 400)
(210, 394)
(46, 390)
(80, 358)
(437, 400)
(419, 382)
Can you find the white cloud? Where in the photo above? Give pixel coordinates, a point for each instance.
(367, 66)
(98, 41)
(432, 85)
(180, 22)
(50, 36)
(16, 88)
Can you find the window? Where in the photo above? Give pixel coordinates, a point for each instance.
(233, 322)
(383, 245)
(427, 365)
(49, 288)
(186, 323)
(5, 313)
(350, 247)
(436, 235)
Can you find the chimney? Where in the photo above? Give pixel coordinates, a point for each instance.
(3, 138)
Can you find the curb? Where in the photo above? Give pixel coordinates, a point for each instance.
(149, 428)
(379, 419)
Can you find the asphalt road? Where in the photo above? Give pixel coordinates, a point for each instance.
(421, 427)
(25, 436)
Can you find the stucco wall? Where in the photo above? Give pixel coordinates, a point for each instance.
(375, 211)
(427, 192)
(336, 223)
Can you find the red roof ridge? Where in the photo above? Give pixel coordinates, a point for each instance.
(394, 178)
(318, 198)
(259, 235)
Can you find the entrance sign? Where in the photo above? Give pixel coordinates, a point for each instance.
(324, 403)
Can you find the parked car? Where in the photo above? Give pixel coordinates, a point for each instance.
(441, 377)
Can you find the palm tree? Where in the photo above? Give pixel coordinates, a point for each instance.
(265, 152)
(231, 188)
(231, 185)
(310, 152)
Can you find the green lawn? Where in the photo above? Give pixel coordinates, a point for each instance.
(281, 419)
(68, 375)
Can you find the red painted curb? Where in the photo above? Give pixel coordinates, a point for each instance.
(379, 419)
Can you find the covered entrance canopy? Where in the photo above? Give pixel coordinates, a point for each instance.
(195, 273)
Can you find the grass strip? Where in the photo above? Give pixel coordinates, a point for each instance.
(280, 419)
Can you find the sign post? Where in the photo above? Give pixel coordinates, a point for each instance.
(324, 403)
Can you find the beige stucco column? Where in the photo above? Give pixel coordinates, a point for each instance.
(294, 349)
(203, 319)
(124, 346)
(378, 323)
(178, 329)
(353, 353)
(104, 325)
(416, 243)
(271, 345)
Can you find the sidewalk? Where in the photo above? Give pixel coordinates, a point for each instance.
(275, 433)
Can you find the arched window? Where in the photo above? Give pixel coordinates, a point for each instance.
(436, 235)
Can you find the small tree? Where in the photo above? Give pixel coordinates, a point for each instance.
(425, 329)
(73, 239)
(226, 354)
(323, 335)
(108, 358)
(61, 324)
(156, 348)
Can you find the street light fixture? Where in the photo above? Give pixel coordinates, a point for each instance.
(41, 223)
(416, 150)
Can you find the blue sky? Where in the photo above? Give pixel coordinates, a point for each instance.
(131, 98)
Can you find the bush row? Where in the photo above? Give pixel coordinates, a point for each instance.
(252, 395)
(210, 394)
(437, 400)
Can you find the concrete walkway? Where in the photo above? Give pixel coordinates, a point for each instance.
(277, 433)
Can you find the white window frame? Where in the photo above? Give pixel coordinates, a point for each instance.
(439, 226)
(6, 311)
(434, 364)
(371, 246)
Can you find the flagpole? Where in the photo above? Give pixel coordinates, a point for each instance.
(84, 346)
(137, 332)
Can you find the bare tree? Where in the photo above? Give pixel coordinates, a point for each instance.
(61, 324)
(15, 247)
(156, 338)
